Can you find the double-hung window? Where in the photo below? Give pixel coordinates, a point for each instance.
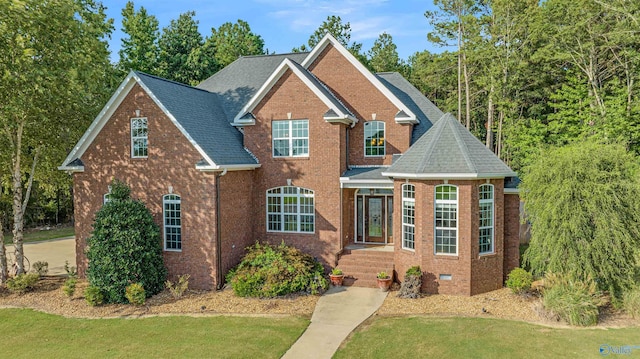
(486, 218)
(139, 137)
(446, 218)
(408, 216)
(290, 138)
(374, 144)
(172, 222)
(290, 209)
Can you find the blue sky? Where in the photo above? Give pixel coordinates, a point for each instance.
(284, 24)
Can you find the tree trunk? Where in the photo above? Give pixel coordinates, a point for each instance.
(459, 69)
(489, 141)
(499, 135)
(467, 91)
(19, 200)
(3, 256)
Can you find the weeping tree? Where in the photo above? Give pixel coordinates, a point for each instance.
(583, 201)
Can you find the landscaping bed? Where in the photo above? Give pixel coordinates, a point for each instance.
(48, 297)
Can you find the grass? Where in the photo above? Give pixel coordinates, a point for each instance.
(37, 235)
(34, 334)
(424, 337)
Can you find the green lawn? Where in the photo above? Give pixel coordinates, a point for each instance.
(30, 334)
(34, 236)
(424, 337)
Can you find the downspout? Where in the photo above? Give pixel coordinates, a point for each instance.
(219, 276)
(341, 195)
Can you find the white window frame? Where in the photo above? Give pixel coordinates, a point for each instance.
(277, 213)
(486, 201)
(290, 138)
(369, 128)
(168, 199)
(408, 204)
(136, 124)
(436, 228)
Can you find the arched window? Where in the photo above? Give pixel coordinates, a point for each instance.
(290, 209)
(486, 218)
(171, 214)
(446, 220)
(408, 216)
(374, 144)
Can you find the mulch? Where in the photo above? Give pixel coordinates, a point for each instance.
(48, 297)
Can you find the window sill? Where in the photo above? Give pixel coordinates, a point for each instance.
(173, 250)
(280, 233)
(487, 255)
(447, 256)
(409, 250)
(305, 158)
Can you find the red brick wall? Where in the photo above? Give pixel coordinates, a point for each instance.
(363, 99)
(486, 269)
(319, 172)
(511, 233)
(171, 162)
(471, 273)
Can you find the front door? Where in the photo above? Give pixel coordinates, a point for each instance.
(374, 219)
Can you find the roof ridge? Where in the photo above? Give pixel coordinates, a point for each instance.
(465, 149)
(270, 55)
(171, 81)
(430, 146)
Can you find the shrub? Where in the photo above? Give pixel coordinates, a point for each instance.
(271, 271)
(519, 280)
(414, 271)
(178, 289)
(69, 287)
(125, 247)
(93, 295)
(41, 267)
(135, 294)
(72, 272)
(22, 283)
(574, 301)
(631, 301)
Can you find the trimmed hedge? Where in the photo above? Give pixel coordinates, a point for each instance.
(271, 271)
(124, 248)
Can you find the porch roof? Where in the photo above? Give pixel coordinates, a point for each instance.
(365, 177)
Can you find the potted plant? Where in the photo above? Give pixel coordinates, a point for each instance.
(384, 281)
(336, 277)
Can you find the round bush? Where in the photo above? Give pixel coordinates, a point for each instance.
(125, 247)
(93, 295)
(135, 294)
(271, 271)
(519, 280)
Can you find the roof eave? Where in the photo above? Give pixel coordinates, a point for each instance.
(345, 119)
(448, 176)
(71, 169)
(239, 167)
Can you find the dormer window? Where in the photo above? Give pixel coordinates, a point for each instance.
(290, 138)
(139, 137)
(374, 144)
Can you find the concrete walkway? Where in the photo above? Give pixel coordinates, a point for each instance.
(338, 312)
(55, 252)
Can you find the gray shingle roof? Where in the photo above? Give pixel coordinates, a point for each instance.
(365, 173)
(201, 115)
(239, 81)
(424, 109)
(448, 150)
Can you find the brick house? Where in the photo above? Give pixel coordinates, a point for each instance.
(357, 169)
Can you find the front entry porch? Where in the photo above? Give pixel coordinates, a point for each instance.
(373, 216)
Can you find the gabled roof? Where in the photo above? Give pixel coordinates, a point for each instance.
(405, 115)
(195, 112)
(426, 112)
(238, 82)
(336, 111)
(448, 151)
